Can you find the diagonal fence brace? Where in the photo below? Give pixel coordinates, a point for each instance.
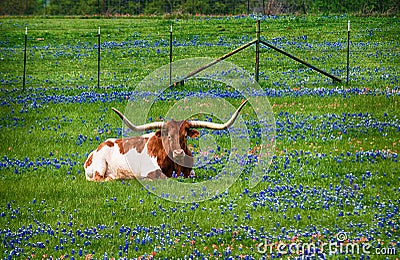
(301, 61)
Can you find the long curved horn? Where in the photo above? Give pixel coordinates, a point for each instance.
(149, 126)
(210, 125)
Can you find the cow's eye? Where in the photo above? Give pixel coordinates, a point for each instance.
(169, 137)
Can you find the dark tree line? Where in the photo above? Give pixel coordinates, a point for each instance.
(217, 7)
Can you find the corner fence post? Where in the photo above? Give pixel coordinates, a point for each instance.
(98, 58)
(257, 66)
(25, 44)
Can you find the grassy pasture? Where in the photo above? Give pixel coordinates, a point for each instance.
(335, 167)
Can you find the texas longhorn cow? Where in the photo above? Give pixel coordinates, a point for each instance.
(156, 155)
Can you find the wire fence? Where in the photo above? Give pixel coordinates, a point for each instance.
(131, 49)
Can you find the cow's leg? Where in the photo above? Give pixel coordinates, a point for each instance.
(123, 174)
(157, 174)
(95, 167)
(99, 177)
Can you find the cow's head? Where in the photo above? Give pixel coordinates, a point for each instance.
(174, 133)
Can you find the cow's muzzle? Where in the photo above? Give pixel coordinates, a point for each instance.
(178, 153)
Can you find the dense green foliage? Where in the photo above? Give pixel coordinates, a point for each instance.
(123, 7)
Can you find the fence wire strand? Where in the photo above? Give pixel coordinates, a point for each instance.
(129, 47)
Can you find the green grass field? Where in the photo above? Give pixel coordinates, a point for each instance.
(334, 171)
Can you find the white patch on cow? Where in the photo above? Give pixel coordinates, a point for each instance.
(141, 162)
(109, 163)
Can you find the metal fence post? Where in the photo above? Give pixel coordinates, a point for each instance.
(98, 59)
(348, 51)
(25, 44)
(257, 67)
(170, 56)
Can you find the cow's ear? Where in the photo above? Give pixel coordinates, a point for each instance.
(192, 133)
(158, 133)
